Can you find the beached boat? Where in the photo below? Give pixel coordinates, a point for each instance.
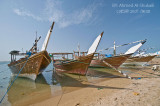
(34, 62)
(79, 65)
(110, 62)
(139, 60)
(115, 61)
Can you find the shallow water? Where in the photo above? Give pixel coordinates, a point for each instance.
(48, 84)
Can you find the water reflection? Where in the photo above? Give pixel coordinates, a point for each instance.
(26, 91)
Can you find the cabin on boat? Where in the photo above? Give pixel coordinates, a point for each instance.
(13, 55)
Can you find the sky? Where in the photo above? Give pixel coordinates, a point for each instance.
(77, 22)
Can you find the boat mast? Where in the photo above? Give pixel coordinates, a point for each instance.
(79, 53)
(114, 51)
(34, 47)
(45, 43)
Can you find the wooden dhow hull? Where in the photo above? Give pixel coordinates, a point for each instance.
(78, 66)
(34, 66)
(110, 62)
(139, 60)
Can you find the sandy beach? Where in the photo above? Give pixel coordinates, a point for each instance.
(84, 96)
(101, 87)
(142, 90)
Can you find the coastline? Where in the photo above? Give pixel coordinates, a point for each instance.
(114, 92)
(103, 87)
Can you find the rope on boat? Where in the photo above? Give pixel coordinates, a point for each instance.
(109, 65)
(14, 80)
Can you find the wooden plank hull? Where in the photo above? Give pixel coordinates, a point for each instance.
(138, 60)
(34, 66)
(115, 61)
(79, 66)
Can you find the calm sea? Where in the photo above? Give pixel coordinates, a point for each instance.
(4, 80)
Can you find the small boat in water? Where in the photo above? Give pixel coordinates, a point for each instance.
(114, 61)
(33, 62)
(79, 65)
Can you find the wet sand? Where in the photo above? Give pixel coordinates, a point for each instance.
(64, 88)
(114, 92)
(142, 90)
(87, 95)
(155, 61)
(102, 87)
